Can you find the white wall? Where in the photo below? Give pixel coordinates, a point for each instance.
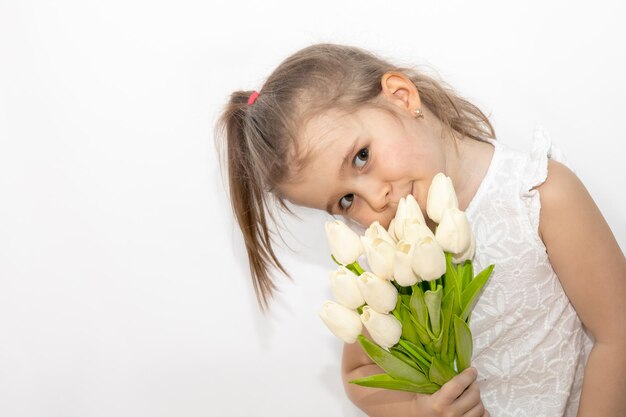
(124, 288)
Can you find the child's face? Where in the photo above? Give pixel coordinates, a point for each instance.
(387, 158)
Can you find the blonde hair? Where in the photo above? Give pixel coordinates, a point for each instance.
(261, 139)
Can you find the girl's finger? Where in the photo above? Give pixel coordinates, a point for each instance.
(477, 411)
(468, 400)
(452, 389)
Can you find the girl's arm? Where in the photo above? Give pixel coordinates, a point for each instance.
(460, 395)
(592, 270)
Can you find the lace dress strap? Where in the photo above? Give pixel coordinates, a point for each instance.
(536, 170)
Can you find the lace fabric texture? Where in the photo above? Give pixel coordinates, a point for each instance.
(530, 347)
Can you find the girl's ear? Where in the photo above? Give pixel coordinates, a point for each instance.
(400, 91)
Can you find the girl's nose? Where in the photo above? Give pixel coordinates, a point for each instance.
(376, 194)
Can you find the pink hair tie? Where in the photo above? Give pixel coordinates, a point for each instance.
(253, 97)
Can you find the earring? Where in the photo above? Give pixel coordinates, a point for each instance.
(419, 114)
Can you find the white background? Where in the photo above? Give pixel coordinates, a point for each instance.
(124, 288)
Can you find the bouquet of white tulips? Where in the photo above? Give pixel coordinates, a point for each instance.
(417, 299)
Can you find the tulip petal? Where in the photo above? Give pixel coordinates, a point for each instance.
(428, 260)
(454, 233)
(345, 288)
(345, 244)
(441, 195)
(385, 329)
(378, 293)
(341, 321)
(380, 254)
(376, 231)
(402, 270)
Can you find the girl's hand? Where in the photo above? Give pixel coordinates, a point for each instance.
(459, 397)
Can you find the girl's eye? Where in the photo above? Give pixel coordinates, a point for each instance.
(361, 157)
(346, 201)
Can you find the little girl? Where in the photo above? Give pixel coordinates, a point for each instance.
(337, 129)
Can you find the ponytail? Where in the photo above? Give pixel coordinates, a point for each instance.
(248, 195)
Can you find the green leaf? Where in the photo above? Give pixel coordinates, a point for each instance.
(418, 306)
(417, 352)
(424, 367)
(432, 299)
(392, 365)
(408, 330)
(448, 306)
(387, 382)
(464, 277)
(405, 299)
(463, 339)
(469, 297)
(451, 282)
(422, 334)
(404, 358)
(440, 373)
(464, 272)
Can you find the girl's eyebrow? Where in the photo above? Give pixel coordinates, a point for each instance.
(348, 154)
(342, 168)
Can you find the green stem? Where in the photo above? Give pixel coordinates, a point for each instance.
(433, 285)
(357, 267)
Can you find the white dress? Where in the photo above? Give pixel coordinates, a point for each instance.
(530, 347)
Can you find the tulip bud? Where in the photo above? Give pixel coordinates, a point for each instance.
(379, 294)
(468, 254)
(345, 244)
(441, 196)
(408, 209)
(385, 329)
(429, 261)
(377, 231)
(345, 288)
(379, 256)
(392, 231)
(454, 233)
(341, 321)
(414, 230)
(402, 270)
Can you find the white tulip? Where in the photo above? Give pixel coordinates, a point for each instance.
(341, 321)
(345, 244)
(413, 230)
(379, 254)
(379, 294)
(385, 329)
(402, 270)
(376, 231)
(345, 288)
(391, 230)
(408, 208)
(453, 232)
(428, 261)
(441, 196)
(468, 254)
